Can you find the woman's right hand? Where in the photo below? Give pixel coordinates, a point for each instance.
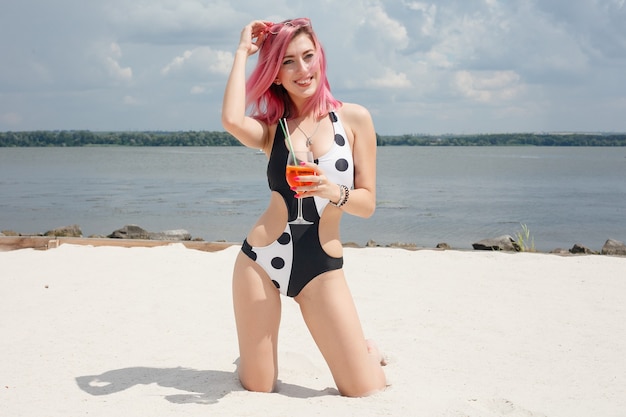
(253, 35)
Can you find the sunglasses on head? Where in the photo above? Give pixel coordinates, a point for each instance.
(294, 23)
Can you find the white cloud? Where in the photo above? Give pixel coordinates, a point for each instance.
(439, 59)
(116, 51)
(177, 63)
(386, 27)
(429, 14)
(198, 89)
(202, 59)
(491, 87)
(390, 79)
(170, 21)
(116, 71)
(418, 65)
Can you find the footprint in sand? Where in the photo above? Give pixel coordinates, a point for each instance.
(500, 407)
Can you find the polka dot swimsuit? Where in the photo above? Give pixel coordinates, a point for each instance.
(297, 257)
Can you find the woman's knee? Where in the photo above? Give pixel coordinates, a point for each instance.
(257, 380)
(363, 388)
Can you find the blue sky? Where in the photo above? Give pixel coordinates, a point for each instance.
(454, 66)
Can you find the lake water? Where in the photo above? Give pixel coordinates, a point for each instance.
(426, 195)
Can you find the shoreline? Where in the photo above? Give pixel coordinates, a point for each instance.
(10, 243)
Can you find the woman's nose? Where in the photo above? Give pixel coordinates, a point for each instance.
(302, 65)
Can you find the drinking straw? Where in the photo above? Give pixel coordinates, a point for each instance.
(283, 124)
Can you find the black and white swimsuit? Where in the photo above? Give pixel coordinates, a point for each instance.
(297, 257)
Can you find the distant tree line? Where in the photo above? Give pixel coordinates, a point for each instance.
(508, 139)
(205, 138)
(88, 138)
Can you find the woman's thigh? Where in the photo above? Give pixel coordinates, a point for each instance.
(331, 316)
(257, 307)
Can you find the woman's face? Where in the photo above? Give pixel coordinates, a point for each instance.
(299, 71)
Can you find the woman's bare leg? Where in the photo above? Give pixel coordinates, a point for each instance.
(331, 316)
(257, 307)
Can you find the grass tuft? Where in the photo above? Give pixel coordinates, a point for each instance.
(525, 240)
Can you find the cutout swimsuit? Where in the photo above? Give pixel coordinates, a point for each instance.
(297, 257)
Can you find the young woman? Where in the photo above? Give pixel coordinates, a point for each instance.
(290, 105)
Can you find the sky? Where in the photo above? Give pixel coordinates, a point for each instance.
(438, 67)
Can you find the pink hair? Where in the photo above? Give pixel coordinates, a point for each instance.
(269, 102)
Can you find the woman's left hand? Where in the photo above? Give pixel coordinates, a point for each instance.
(320, 186)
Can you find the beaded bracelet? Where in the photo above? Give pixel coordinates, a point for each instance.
(344, 194)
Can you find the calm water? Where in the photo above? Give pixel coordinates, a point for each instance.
(426, 195)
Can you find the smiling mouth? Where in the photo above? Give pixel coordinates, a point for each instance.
(304, 82)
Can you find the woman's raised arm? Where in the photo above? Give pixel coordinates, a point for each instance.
(248, 131)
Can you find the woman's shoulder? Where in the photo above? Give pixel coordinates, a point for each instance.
(353, 111)
(355, 117)
(357, 122)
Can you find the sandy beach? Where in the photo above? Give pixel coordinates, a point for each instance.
(102, 331)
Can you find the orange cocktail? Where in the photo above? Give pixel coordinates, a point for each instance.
(295, 171)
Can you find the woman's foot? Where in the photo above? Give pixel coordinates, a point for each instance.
(373, 350)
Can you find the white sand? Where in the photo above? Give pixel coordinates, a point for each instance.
(112, 331)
